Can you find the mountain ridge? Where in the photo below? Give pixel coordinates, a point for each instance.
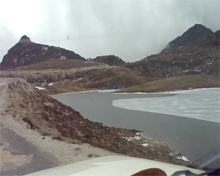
(194, 36)
(185, 55)
(26, 52)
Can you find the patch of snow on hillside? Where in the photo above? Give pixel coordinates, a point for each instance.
(145, 144)
(78, 79)
(132, 138)
(40, 88)
(182, 158)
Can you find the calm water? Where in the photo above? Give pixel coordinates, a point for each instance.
(191, 137)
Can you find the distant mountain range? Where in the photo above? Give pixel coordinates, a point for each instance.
(196, 51)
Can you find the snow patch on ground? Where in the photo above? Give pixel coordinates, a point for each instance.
(132, 138)
(78, 79)
(40, 88)
(200, 104)
(51, 84)
(145, 144)
(182, 158)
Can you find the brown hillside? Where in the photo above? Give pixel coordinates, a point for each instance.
(110, 60)
(176, 83)
(55, 63)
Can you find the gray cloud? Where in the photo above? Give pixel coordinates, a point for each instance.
(130, 29)
(6, 39)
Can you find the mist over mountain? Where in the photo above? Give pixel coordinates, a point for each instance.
(127, 29)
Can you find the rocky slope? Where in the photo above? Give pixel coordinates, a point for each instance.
(110, 60)
(26, 52)
(78, 79)
(58, 64)
(51, 118)
(194, 36)
(195, 52)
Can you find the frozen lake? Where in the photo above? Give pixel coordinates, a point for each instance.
(203, 104)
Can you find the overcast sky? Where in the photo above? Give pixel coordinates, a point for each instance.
(130, 29)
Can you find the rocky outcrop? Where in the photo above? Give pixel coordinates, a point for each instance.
(194, 36)
(110, 60)
(26, 52)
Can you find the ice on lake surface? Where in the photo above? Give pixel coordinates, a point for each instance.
(201, 104)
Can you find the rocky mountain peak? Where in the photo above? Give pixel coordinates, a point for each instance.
(25, 39)
(26, 52)
(194, 36)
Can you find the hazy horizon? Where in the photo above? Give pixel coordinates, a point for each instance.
(131, 30)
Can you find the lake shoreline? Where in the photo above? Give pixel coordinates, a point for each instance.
(179, 135)
(36, 129)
